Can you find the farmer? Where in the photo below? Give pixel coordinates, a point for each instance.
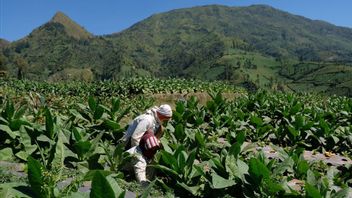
(142, 138)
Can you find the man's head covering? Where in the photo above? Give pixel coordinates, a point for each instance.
(165, 110)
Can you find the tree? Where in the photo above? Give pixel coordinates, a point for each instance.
(22, 66)
(3, 67)
(3, 61)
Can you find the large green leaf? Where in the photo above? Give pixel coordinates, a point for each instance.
(296, 108)
(189, 164)
(92, 103)
(165, 144)
(77, 134)
(311, 179)
(236, 167)
(8, 190)
(299, 121)
(311, 191)
(324, 126)
(16, 124)
(168, 158)
(242, 169)
(49, 124)
(200, 139)
(98, 113)
(287, 165)
(115, 105)
(20, 112)
(167, 170)
(119, 192)
(181, 161)
(23, 155)
(235, 150)
(219, 182)
(302, 167)
(293, 131)
(90, 174)
(274, 187)
(6, 154)
(25, 139)
(256, 120)
(101, 187)
(9, 110)
(258, 170)
(35, 176)
(3, 120)
(241, 137)
(7, 130)
(82, 147)
(179, 132)
(78, 115)
(111, 125)
(44, 138)
(61, 152)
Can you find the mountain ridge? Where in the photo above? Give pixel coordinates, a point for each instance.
(257, 44)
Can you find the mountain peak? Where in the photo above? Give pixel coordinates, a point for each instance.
(72, 28)
(60, 17)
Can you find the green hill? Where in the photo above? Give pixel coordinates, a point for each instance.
(257, 44)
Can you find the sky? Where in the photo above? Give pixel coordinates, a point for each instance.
(19, 17)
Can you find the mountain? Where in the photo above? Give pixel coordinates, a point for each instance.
(256, 44)
(59, 46)
(257, 28)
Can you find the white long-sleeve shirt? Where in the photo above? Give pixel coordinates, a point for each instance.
(140, 125)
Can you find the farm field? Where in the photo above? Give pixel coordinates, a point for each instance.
(61, 140)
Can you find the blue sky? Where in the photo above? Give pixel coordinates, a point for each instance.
(19, 17)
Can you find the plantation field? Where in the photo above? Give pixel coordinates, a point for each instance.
(61, 140)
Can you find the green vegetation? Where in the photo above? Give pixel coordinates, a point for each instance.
(71, 130)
